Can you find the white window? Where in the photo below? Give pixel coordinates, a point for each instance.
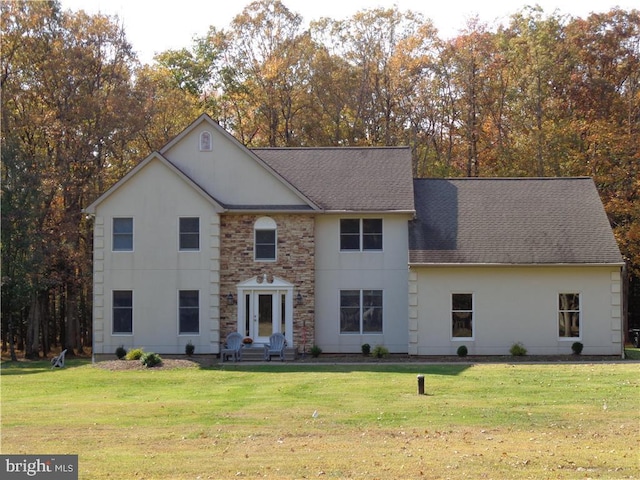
(360, 311)
(461, 315)
(189, 233)
(360, 234)
(123, 234)
(205, 142)
(188, 311)
(265, 239)
(569, 315)
(122, 312)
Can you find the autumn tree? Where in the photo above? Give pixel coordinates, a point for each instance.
(68, 109)
(265, 73)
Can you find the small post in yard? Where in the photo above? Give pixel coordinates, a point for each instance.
(420, 384)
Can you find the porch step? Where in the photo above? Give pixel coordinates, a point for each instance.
(255, 353)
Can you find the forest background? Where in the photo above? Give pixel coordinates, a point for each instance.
(542, 95)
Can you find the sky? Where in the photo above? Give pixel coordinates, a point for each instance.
(153, 26)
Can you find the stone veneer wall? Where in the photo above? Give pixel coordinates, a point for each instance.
(295, 263)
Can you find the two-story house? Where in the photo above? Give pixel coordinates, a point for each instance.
(338, 247)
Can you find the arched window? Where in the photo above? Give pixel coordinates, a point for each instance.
(265, 239)
(205, 142)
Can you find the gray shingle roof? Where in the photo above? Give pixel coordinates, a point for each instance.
(510, 221)
(347, 179)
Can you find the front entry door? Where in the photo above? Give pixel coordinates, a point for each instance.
(264, 316)
(267, 314)
(266, 308)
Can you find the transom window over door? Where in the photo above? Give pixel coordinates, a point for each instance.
(361, 234)
(265, 239)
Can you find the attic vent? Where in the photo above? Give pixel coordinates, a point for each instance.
(205, 142)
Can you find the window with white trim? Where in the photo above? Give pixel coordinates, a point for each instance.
(569, 315)
(360, 234)
(205, 142)
(189, 237)
(461, 315)
(188, 311)
(361, 311)
(122, 311)
(123, 234)
(265, 239)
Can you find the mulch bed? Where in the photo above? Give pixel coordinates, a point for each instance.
(167, 364)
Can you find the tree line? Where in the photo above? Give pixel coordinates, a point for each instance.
(542, 95)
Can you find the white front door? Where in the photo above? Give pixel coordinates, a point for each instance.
(268, 312)
(265, 308)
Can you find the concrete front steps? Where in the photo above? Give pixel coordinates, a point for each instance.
(255, 353)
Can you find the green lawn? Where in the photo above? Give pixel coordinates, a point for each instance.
(500, 421)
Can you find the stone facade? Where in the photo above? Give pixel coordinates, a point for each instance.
(295, 263)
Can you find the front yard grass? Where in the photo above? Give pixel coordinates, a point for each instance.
(500, 421)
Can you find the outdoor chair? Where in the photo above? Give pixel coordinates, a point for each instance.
(276, 345)
(232, 347)
(59, 360)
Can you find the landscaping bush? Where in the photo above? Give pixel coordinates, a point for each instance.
(366, 349)
(577, 348)
(462, 351)
(316, 351)
(379, 351)
(150, 359)
(121, 352)
(134, 354)
(518, 350)
(189, 349)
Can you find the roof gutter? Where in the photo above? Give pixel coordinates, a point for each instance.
(460, 264)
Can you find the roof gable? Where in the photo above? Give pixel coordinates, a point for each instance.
(234, 174)
(510, 221)
(91, 209)
(376, 179)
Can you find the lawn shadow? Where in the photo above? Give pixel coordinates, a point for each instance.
(407, 368)
(29, 367)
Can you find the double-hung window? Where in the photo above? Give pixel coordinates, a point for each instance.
(188, 311)
(569, 315)
(123, 234)
(122, 312)
(189, 233)
(361, 311)
(461, 315)
(265, 238)
(361, 234)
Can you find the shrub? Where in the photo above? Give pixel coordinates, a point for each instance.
(316, 351)
(189, 348)
(150, 359)
(379, 351)
(366, 349)
(577, 348)
(121, 352)
(134, 354)
(462, 351)
(518, 350)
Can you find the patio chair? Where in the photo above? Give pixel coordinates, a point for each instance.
(276, 345)
(59, 360)
(232, 347)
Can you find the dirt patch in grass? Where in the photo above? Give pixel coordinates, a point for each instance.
(167, 364)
